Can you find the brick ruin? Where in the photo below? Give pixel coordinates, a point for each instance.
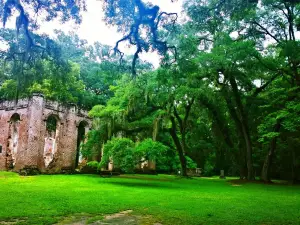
(42, 135)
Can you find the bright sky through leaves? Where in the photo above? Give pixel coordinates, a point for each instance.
(94, 29)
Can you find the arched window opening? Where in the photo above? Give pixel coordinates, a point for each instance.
(13, 141)
(15, 118)
(51, 125)
(80, 140)
(51, 139)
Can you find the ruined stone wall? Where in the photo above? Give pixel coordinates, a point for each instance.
(7, 110)
(36, 146)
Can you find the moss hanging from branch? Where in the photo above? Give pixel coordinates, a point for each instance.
(132, 18)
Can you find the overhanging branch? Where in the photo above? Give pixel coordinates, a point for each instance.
(151, 18)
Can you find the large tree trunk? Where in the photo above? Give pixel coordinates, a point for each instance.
(181, 147)
(242, 161)
(250, 175)
(265, 174)
(242, 119)
(242, 130)
(294, 167)
(220, 121)
(241, 157)
(178, 146)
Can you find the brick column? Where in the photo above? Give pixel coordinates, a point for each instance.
(70, 138)
(4, 126)
(35, 123)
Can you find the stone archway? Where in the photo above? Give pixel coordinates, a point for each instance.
(81, 132)
(13, 140)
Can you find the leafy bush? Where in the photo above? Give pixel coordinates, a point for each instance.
(190, 164)
(120, 152)
(150, 150)
(94, 164)
(93, 145)
(125, 155)
(208, 169)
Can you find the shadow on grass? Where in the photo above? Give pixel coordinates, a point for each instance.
(133, 184)
(275, 182)
(147, 178)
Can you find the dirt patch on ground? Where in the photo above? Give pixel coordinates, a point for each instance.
(12, 222)
(122, 218)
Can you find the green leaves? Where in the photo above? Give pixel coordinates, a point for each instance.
(8, 89)
(58, 84)
(126, 155)
(120, 152)
(151, 150)
(290, 49)
(63, 10)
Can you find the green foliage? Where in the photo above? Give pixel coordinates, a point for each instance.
(208, 168)
(190, 163)
(26, 21)
(126, 155)
(58, 84)
(120, 151)
(94, 164)
(51, 124)
(68, 70)
(230, 97)
(176, 163)
(150, 150)
(8, 89)
(95, 140)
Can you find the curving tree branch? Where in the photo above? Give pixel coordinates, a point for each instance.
(146, 17)
(63, 9)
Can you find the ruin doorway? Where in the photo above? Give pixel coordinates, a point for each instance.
(13, 140)
(81, 131)
(51, 139)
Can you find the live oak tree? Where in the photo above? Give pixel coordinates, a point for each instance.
(237, 70)
(271, 22)
(151, 104)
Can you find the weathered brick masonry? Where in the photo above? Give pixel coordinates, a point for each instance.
(41, 134)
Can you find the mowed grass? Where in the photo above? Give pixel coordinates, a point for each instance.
(46, 199)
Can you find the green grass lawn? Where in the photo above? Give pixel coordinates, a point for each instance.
(170, 200)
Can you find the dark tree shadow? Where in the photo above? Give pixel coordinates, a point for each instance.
(143, 184)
